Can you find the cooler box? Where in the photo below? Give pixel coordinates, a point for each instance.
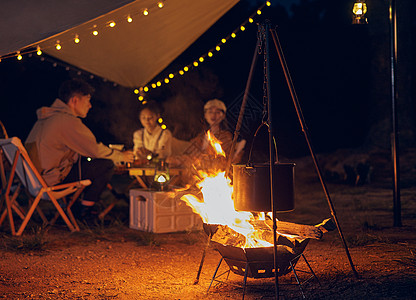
(160, 212)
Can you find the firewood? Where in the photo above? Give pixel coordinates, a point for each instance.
(227, 236)
(303, 231)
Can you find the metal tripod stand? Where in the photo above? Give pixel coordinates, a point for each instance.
(265, 31)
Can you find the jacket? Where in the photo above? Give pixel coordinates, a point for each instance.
(58, 138)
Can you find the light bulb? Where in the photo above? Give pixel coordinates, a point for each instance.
(154, 85)
(210, 54)
(38, 51)
(95, 32)
(218, 48)
(250, 20)
(233, 35)
(268, 3)
(181, 72)
(76, 39)
(140, 98)
(171, 75)
(160, 120)
(163, 126)
(160, 4)
(201, 59)
(158, 83)
(136, 91)
(166, 80)
(58, 45)
(195, 63)
(112, 24)
(19, 56)
(129, 19)
(146, 89)
(145, 12)
(259, 12)
(223, 41)
(186, 69)
(242, 28)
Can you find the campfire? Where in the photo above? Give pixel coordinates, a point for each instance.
(242, 237)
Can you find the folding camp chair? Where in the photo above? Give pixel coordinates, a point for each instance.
(29, 177)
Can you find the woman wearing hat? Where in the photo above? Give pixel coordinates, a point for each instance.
(200, 154)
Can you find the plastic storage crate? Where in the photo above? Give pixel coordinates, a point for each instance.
(160, 212)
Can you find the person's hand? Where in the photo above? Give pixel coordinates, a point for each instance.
(142, 152)
(128, 156)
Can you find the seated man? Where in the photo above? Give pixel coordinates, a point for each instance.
(59, 138)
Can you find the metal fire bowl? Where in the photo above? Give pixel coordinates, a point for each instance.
(259, 262)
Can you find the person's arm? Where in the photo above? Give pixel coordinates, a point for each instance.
(137, 139)
(165, 144)
(81, 140)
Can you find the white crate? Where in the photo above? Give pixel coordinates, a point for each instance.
(160, 212)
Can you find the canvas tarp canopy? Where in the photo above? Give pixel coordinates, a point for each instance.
(130, 54)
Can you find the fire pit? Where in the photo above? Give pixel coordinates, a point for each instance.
(258, 262)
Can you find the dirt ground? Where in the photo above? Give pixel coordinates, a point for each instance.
(112, 261)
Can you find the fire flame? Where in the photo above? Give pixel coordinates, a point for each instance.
(215, 144)
(217, 207)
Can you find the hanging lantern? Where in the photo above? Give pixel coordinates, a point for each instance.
(359, 10)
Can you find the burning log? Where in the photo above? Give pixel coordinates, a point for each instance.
(302, 231)
(288, 234)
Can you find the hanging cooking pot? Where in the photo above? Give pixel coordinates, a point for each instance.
(252, 187)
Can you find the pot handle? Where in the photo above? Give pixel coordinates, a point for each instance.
(249, 163)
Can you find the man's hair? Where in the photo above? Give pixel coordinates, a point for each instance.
(72, 87)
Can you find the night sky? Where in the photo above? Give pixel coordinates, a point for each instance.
(336, 68)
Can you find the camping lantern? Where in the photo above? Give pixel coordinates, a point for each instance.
(162, 177)
(359, 10)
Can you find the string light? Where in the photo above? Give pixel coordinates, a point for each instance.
(95, 31)
(160, 120)
(140, 98)
(163, 126)
(145, 12)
